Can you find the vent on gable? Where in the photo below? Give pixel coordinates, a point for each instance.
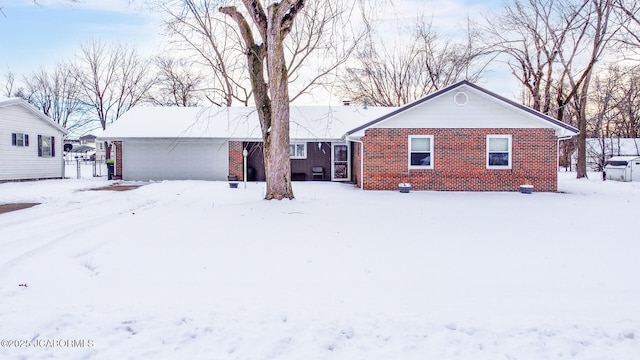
(461, 98)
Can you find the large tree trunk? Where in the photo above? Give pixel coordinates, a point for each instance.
(581, 164)
(276, 151)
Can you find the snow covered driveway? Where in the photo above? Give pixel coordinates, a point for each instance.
(195, 270)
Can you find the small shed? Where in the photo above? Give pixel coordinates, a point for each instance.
(623, 168)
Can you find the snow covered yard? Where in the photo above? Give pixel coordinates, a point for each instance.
(195, 270)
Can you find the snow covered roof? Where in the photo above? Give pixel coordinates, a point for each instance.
(623, 158)
(83, 148)
(307, 122)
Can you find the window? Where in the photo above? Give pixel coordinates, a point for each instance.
(499, 152)
(421, 152)
(18, 139)
(298, 151)
(46, 146)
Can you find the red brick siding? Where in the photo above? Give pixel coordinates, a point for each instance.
(118, 160)
(236, 159)
(459, 159)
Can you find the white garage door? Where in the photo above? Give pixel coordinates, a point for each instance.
(175, 160)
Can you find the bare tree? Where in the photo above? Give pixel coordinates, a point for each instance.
(112, 79)
(265, 56)
(629, 16)
(177, 84)
(395, 72)
(555, 46)
(594, 29)
(321, 40)
(9, 82)
(195, 27)
(530, 33)
(56, 94)
(616, 99)
(628, 105)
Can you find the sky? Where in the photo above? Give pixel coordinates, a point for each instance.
(40, 34)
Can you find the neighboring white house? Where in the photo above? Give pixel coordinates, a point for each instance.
(31, 144)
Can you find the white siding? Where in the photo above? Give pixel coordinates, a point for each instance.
(182, 159)
(480, 111)
(18, 162)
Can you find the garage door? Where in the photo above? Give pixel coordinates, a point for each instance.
(175, 160)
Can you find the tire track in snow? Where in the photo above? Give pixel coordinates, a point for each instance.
(55, 228)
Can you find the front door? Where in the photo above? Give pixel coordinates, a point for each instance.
(340, 166)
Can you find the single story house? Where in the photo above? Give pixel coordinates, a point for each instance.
(461, 138)
(30, 143)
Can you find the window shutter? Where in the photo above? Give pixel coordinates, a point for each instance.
(40, 145)
(13, 139)
(26, 140)
(53, 146)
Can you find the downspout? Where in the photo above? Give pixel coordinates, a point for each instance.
(361, 161)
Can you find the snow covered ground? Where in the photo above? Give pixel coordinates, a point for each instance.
(196, 270)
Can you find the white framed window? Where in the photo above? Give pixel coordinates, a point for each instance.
(298, 150)
(46, 146)
(499, 152)
(421, 152)
(19, 139)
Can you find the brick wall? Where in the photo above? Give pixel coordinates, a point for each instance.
(236, 159)
(118, 160)
(459, 159)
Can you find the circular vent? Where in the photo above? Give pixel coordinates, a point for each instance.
(461, 98)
